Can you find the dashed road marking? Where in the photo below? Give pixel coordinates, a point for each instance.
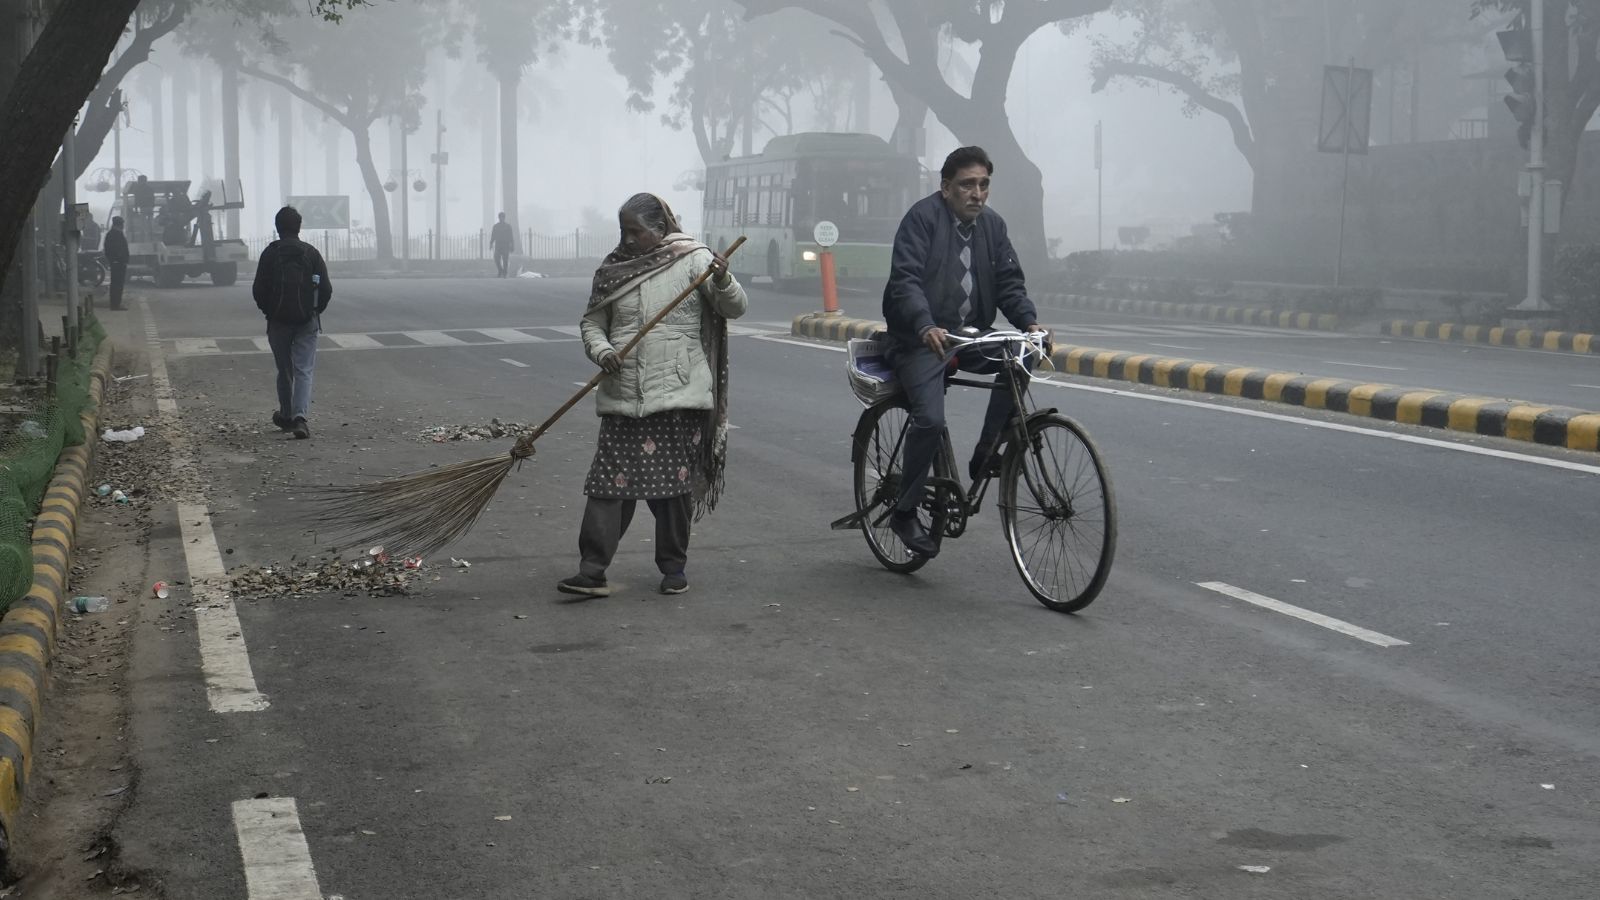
(354, 341)
(230, 683)
(277, 861)
(434, 339)
(511, 335)
(512, 362)
(1332, 362)
(1305, 615)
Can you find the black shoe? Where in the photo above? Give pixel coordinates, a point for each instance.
(676, 583)
(301, 429)
(975, 468)
(282, 421)
(584, 585)
(911, 532)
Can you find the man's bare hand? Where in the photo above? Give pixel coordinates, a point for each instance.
(935, 337)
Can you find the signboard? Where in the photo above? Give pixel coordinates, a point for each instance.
(826, 234)
(1346, 110)
(322, 211)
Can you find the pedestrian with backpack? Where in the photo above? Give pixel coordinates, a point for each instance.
(292, 289)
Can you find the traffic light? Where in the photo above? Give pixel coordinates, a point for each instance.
(1518, 47)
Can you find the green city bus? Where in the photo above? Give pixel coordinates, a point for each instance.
(775, 199)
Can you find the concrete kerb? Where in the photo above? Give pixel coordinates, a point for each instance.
(1523, 338)
(1236, 315)
(1552, 425)
(28, 631)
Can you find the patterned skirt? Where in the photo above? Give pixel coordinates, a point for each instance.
(646, 459)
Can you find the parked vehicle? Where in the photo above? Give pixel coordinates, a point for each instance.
(171, 237)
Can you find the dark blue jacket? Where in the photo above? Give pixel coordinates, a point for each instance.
(924, 287)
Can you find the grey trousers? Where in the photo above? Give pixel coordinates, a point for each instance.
(605, 521)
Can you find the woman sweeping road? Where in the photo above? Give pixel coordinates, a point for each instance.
(664, 409)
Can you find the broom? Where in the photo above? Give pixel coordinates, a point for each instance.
(416, 514)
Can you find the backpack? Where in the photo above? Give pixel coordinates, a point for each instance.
(295, 295)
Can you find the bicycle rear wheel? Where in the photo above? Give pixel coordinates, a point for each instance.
(1058, 513)
(879, 449)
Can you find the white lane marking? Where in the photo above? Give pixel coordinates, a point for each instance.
(512, 362)
(571, 330)
(262, 343)
(1330, 426)
(165, 404)
(277, 861)
(230, 685)
(1173, 346)
(581, 383)
(509, 335)
(778, 340)
(1595, 386)
(433, 338)
(1332, 362)
(1306, 615)
(353, 341)
(192, 346)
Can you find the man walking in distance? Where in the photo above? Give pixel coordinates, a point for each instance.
(504, 240)
(292, 289)
(953, 267)
(115, 248)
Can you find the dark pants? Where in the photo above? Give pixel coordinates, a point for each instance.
(119, 277)
(605, 521)
(921, 372)
(502, 261)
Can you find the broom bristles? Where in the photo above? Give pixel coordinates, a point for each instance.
(416, 514)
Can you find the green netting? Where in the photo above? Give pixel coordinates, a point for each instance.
(33, 431)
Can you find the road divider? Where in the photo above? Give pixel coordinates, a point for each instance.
(1551, 425)
(1238, 315)
(1523, 338)
(28, 631)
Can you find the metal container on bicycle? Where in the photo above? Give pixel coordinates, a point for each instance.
(872, 379)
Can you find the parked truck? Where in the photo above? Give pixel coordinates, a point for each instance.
(172, 237)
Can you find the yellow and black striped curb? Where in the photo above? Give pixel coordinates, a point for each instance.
(1237, 315)
(28, 631)
(1554, 425)
(1526, 338)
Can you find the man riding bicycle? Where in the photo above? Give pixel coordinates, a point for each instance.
(953, 268)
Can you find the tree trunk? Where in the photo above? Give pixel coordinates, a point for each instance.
(331, 163)
(508, 149)
(285, 110)
(231, 188)
(1020, 198)
(158, 127)
(180, 128)
(488, 141)
(57, 76)
(380, 203)
(208, 121)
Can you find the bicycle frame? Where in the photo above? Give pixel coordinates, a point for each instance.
(972, 496)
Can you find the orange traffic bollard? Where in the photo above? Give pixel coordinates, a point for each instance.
(830, 287)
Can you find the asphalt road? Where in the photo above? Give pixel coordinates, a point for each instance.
(805, 724)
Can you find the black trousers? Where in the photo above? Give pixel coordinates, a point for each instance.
(922, 372)
(605, 521)
(119, 277)
(502, 261)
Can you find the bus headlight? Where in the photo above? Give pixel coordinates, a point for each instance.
(809, 256)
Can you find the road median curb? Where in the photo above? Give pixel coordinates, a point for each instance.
(1494, 335)
(29, 629)
(1236, 315)
(1557, 426)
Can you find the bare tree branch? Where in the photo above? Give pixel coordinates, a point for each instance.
(343, 117)
(1243, 138)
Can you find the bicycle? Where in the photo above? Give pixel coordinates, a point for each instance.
(1057, 506)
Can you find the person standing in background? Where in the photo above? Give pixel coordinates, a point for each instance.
(115, 248)
(504, 240)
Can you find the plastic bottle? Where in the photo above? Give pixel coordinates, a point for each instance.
(90, 604)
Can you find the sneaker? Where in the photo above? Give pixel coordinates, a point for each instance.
(584, 585)
(282, 421)
(911, 532)
(301, 429)
(676, 583)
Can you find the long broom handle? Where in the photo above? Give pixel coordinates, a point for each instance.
(524, 446)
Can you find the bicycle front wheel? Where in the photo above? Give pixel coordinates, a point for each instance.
(879, 450)
(1059, 514)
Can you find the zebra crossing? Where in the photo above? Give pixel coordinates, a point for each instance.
(425, 339)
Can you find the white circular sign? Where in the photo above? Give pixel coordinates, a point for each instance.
(826, 233)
